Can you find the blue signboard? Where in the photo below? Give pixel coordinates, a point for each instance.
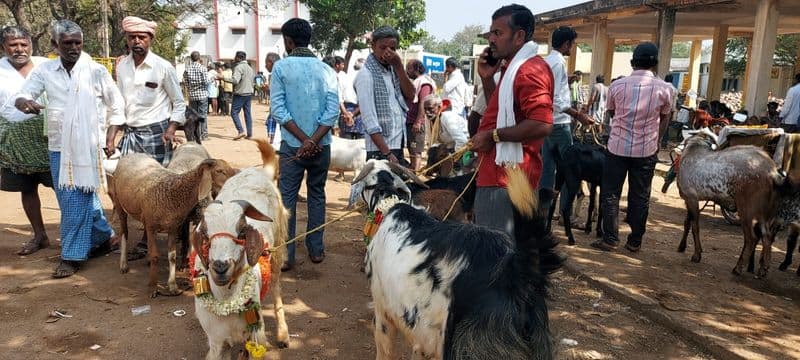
(433, 63)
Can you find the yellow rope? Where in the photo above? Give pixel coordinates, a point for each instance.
(318, 228)
(453, 205)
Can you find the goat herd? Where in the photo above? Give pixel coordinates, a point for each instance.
(454, 290)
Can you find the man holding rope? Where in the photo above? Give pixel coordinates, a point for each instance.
(519, 114)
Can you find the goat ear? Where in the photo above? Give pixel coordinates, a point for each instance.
(253, 246)
(364, 172)
(206, 180)
(197, 238)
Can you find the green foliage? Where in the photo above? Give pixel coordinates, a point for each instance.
(736, 56)
(587, 48)
(786, 49)
(459, 45)
(681, 50)
(339, 22)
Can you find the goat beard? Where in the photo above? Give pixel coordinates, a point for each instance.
(519, 191)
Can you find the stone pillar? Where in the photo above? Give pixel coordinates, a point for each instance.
(666, 31)
(609, 61)
(694, 71)
(748, 60)
(572, 60)
(717, 69)
(599, 49)
(764, 39)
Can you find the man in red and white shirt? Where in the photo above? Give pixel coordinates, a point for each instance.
(512, 28)
(641, 106)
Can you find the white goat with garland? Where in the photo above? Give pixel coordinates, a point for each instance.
(246, 215)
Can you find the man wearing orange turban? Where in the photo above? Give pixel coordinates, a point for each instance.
(154, 105)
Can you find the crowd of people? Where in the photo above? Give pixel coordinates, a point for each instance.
(520, 115)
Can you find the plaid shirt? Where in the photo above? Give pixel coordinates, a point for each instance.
(196, 81)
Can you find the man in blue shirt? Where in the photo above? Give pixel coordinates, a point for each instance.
(304, 98)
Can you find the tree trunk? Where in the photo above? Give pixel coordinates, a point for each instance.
(20, 14)
(351, 44)
(117, 39)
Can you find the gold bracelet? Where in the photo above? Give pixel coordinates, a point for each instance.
(495, 136)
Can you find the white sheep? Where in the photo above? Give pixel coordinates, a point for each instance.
(246, 215)
(347, 155)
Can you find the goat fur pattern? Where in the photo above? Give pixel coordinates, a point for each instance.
(743, 178)
(458, 291)
(256, 188)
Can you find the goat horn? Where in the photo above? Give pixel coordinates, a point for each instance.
(366, 170)
(407, 173)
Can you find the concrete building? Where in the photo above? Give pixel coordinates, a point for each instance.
(604, 23)
(255, 30)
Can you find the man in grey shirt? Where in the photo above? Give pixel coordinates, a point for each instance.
(242, 80)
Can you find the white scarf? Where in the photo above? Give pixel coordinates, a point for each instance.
(510, 153)
(80, 166)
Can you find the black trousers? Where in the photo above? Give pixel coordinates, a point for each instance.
(639, 172)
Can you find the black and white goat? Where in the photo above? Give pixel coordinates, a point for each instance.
(455, 291)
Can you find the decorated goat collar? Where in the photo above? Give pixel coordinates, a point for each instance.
(375, 217)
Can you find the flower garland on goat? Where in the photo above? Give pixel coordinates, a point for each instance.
(374, 218)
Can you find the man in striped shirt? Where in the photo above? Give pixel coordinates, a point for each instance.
(640, 106)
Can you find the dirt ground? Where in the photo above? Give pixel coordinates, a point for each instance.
(327, 304)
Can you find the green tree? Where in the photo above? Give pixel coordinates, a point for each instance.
(338, 22)
(736, 56)
(786, 49)
(459, 45)
(681, 49)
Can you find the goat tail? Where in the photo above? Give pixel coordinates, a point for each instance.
(269, 158)
(520, 192)
(536, 246)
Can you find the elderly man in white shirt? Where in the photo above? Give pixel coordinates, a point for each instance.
(790, 112)
(561, 137)
(24, 160)
(456, 88)
(81, 98)
(154, 104)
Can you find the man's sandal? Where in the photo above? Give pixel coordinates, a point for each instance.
(33, 246)
(66, 268)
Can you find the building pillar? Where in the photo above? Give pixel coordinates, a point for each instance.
(692, 81)
(764, 39)
(572, 60)
(599, 49)
(666, 31)
(609, 62)
(748, 60)
(797, 62)
(717, 66)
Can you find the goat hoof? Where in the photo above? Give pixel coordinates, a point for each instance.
(681, 248)
(169, 292)
(124, 270)
(696, 258)
(783, 266)
(571, 242)
(762, 273)
(282, 344)
(154, 294)
(736, 271)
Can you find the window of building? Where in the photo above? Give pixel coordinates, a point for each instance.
(276, 31)
(238, 31)
(198, 30)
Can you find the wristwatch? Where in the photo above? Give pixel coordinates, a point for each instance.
(495, 137)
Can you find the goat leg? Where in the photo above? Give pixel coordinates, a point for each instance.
(589, 213)
(152, 256)
(122, 218)
(687, 223)
(768, 237)
(183, 254)
(172, 255)
(749, 245)
(791, 242)
(698, 248)
(385, 332)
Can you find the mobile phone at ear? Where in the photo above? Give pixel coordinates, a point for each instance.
(490, 59)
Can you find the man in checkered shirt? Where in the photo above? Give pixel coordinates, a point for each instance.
(196, 82)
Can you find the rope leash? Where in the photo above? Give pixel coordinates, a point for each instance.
(453, 205)
(455, 154)
(318, 228)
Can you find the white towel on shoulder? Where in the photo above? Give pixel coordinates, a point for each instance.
(510, 153)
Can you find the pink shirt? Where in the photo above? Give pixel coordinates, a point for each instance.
(637, 101)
